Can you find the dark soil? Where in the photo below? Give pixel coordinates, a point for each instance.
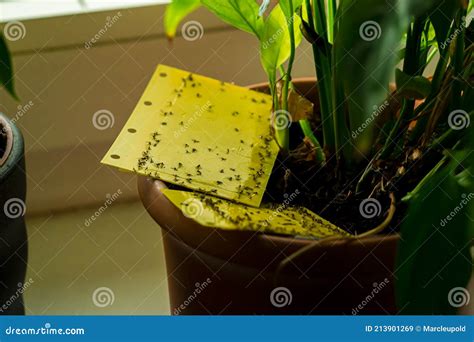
(333, 196)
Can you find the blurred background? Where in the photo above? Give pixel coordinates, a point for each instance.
(74, 59)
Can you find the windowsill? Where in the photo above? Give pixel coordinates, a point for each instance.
(39, 9)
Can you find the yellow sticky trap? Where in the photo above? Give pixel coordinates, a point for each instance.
(200, 133)
(279, 219)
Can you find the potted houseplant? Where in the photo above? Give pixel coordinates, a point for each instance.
(14, 249)
(391, 165)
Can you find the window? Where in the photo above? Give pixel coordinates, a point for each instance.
(32, 9)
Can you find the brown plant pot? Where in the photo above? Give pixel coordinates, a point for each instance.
(212, 271)
(13, 237)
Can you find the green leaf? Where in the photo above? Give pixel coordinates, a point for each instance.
(285, 7)
(440, 12)
(6, 69)
(366, 46)
(433, 256)
(242, 14)
(176, 11)
(412, 87)
(442, 16)
(275, 41)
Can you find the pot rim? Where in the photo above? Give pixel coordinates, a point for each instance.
(10, 137)
(239, 245)
(147, 185)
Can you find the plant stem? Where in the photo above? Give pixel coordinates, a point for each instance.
(341, 135)
(448, 137)
(323, 74)
(308, 132)
(435, 87)
(279, 136)
(284, 133)
(431, 55)
(332, 6)
(411, 66)
(405, 113)
(366, 172)
(424, 180)
(344, 149)
(291, 59)
(458, 62)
